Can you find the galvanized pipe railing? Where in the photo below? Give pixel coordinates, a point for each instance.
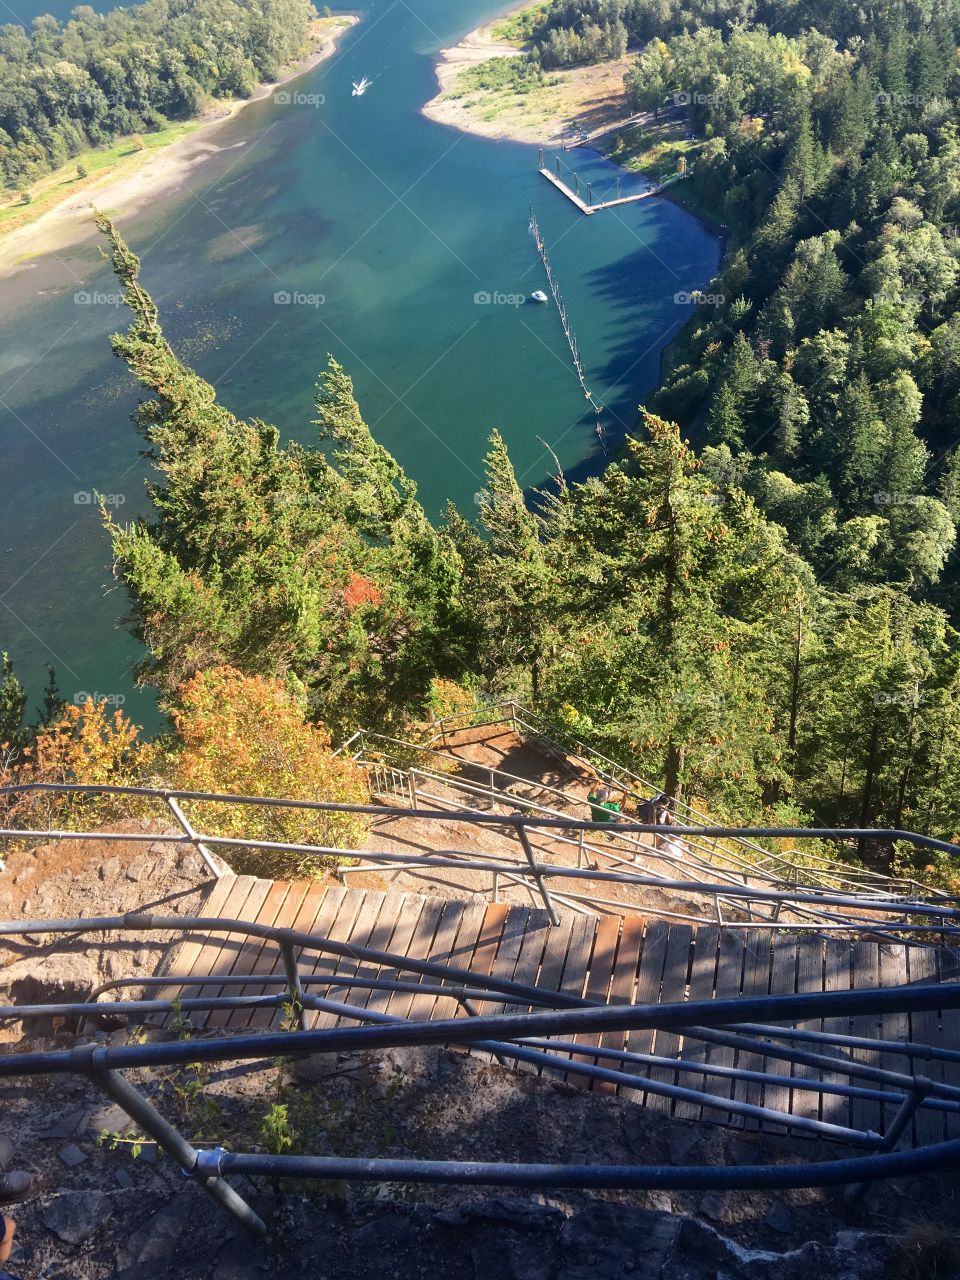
(522, 720)
(915, 914)
(929, 916)
(506, 1035)
(406, 781)
(683, 864)
(370, 754)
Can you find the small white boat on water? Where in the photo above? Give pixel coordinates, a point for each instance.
(360, 87)
(539, 296)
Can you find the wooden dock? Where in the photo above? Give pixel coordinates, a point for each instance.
(610, 958)
(604, 204)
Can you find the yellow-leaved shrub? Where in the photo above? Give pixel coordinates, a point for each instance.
(87, 744)
(248, 735)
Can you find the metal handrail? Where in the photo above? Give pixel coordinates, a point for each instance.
(521, 718)
(508, 797)
(405, 784)
(795, 895)
(410, 862)
(851, 878)
(515, 1035)
(931, 915)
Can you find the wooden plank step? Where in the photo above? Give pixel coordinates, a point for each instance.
(583, 930)
(838, 956)
(461, 957)
(421, 941)
(365, 930)
(602, 965)
(809, 979)
(673, 988)
(207, 956)
(783, 981)
(757, 963)
(336, 922)
(949, 963)
(405, 926)
(623, 982)
(300, 913)
(929, 1126)
(866, 977)
(649, 979)
(893, 1026)
(729, 982)
(182, 955)
(422, 1006)
(232, 945)
(251, 949)
(381, 939)
(268, 957)
(703, 981)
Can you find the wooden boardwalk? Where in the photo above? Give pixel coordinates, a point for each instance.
(589, 209)
(609, 958)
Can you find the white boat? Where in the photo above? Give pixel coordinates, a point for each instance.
(360, 87)
(539, 296)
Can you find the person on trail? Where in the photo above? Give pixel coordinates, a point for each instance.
(647, 809)
(602, 808)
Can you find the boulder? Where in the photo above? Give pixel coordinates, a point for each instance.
(58, 978)
(74, 1216)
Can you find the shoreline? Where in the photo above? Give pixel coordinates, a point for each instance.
(465, 112)
(569, 95)
(140, 177)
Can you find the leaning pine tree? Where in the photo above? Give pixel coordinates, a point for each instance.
(272, 559)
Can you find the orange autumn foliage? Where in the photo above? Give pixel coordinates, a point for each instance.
(360, 590)
(87, 744)
(247, 735)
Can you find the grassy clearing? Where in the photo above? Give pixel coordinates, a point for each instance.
(502, 75)
(654, 149)
(125, 154)
(531, 105)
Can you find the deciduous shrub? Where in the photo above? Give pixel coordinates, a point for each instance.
(88, 744)
(248, 735)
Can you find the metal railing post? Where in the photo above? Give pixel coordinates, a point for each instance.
(294, 985)
(496, 886)
(119, 1090)
(413, 788)
(212, 863)
(580, 851)
(537, 873)
(855, 1192)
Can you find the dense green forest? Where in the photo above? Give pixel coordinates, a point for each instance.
(655, 607)
(66, 88)
(764, 622)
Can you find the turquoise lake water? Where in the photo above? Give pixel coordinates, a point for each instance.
(400, 226)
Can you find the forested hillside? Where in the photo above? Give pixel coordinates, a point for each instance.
(763, 621)
(655, 607)
(822, 376)
(66, 88)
